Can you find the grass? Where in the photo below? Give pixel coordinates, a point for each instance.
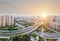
(41, 39)
(51, 39)
(3, 39)
(12, 27)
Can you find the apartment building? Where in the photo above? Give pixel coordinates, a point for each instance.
(6, 20)
(54, 22)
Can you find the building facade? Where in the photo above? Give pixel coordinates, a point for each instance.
(6, 20)
(54, 22)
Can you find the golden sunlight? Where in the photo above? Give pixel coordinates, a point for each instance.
(43, 15)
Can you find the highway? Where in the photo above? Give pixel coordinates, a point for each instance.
(20, 31)
(20, 25)
(29, 29)
(48, 35)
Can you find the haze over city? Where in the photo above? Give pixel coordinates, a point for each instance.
(29, 20)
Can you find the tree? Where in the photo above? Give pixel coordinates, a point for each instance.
(22, 38)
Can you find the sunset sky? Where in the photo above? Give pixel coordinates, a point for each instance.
(29, 7)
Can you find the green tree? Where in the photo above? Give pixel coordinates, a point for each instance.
(22, 38)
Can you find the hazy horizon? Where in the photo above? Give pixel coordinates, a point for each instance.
(29, 7)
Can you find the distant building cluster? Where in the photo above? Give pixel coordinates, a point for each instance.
(54, 22)
(6, 20)
(28, 18)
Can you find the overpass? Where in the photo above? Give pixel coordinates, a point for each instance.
(45, 35)
(9, 34)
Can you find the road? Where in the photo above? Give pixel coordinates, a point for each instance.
(48, 35)
(20, 32)
(30, 29)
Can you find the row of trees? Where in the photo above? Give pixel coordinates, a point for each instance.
(28, 38)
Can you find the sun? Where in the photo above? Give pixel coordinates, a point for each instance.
(43, 15)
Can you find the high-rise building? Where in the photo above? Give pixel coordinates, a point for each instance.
(0, 21)
(6, 20)
(54, 22)
(12, 20)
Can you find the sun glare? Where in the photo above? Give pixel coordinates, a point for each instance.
(43, 15)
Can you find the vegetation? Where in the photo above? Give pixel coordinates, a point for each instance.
(22, 38)
(12, 27)
(2, 39)
(41, 39)
(33, 35)
(51, 39)
(4, 28)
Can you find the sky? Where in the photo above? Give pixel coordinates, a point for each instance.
(29, 7)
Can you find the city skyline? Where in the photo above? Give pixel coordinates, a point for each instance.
(29, 20)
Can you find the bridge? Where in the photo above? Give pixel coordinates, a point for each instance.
(45, 35)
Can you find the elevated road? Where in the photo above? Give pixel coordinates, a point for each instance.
(48, 35)
(20, 32)
(29, 29)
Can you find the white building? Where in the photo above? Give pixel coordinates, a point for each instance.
(6, 20)
(54, 21)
